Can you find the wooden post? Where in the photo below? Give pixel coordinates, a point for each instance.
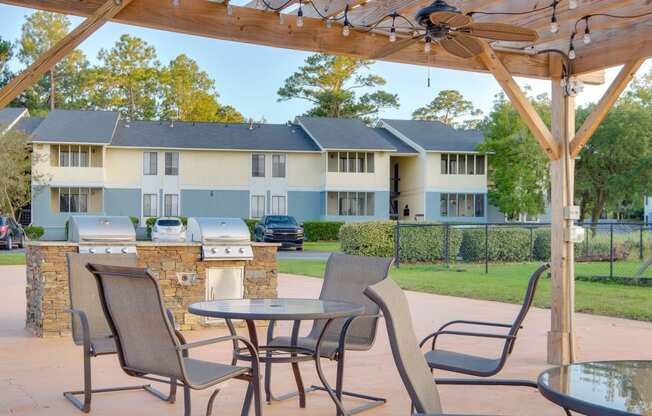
(50, 58)
(561, 345)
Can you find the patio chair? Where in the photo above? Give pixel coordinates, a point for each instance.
(478, 366)
(89, 326)
(345, 279)
(411, 364)
(150, 348)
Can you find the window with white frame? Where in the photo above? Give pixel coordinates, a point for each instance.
(172, 163)
(462, 164)
(149, 205)
(72, 155)
(257, 206)
(73, 199)
(350, 204)
(278, 205)
(171, 205)
(258, 165)
(278, 166)
(462, 205)
(351, 162)
(150, 163)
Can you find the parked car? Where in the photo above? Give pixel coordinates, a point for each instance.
(169, 229)
(11, 234)
(282, 229)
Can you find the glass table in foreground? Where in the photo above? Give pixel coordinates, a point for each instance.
(602, 388)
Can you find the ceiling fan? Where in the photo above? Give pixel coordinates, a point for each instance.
(456, 32)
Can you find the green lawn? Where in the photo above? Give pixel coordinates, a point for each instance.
(326, 246)
(10, 259)
(506, 283)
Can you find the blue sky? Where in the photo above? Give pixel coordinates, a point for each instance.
(248, 76)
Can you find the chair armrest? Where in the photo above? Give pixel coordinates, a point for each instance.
(179, 335)
(245, 341)
(435, 335)
(86, 331)
(347, 325)
(481, 323)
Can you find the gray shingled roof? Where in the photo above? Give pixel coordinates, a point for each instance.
(154, 134)
(10, 114)
(28, 124)
(399, 145)
(76, 126)
(343, 133)
(436, 136)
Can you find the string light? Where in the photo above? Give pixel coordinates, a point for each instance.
(587, 34)
(280, 19)
(329, 23)
(572, 4)
(554, 24)
(392, 30)
(229, 9)
(175, 3)
(300, 15)
(428, 45)
(346, 30)
(259, 4)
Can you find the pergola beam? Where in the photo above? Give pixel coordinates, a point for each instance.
(49, 59)
(607, 101)
(520, 101)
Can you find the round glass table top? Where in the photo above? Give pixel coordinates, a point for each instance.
(275, 309)
(601, 388)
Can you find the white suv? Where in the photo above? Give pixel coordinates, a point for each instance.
(168, 229)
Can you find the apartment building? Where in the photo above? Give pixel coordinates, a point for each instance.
(314, 169)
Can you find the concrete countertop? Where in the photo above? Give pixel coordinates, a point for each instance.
(137, 243)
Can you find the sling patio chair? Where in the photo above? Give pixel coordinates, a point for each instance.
(150, 348)
(90, 328)
(345, 279)
(439, 359)
(411, 364)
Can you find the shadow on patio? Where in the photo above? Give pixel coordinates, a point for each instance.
(34, 372)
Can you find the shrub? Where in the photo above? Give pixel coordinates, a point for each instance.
(135, 221)
(598, 245)
(34, 232)
(505, 244)
(251, 224)
(541, 247)
(373, 238)
(322, 230)
(417, 244)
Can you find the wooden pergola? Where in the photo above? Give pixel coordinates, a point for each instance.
(614, 42)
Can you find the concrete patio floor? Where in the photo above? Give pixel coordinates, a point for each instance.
(34, 372)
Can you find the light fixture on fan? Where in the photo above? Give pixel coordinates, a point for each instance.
(456, 32)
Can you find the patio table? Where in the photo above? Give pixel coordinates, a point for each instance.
(296, 310)
(602, 388)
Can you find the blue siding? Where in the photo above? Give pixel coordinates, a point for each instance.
(381, 210)
(122, 202)
(306, 205)
(433, 213)
(204, 203)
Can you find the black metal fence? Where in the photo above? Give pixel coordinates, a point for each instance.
(609, 249)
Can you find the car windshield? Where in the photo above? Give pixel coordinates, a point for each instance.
(169, 223)
(3, 221)
(281, 219)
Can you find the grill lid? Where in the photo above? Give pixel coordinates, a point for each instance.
(216, 230)
(101, 229)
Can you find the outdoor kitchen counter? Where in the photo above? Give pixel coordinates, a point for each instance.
(47, 280)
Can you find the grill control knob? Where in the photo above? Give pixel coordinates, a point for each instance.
(108, 250)
(227, 250)
(214, 250)
(241, 250)
(91, 250)
(125, 250)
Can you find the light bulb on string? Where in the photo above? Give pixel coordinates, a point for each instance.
(300, 16)
(229, 9)
(392, 34)
(346, 31)
(554, 24)
(572, 4)
(329, 23)
(428, 46)
(587, 35)
(175, 3)
(280, 18)
(571, 53)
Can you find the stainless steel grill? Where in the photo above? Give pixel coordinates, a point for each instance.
(98, 234)
(221, 238)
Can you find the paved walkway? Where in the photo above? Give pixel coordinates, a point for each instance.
(34, 372)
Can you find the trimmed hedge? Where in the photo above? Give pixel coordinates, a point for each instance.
(322, 230)
(417, 244)
(251, 224)
(505, 244)
(541, 246)
(34, 232)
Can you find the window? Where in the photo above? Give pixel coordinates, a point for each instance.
(278, 166)
(470, 164)
(278, 205)
(350, 203)
(72, 155)
(452, 164)
(258, 166)
(84, 151)
(444, 164)
(171, 208)
(150, 163)
(64, 156)
(149, 205)
(172, 163)
(351, 162)
(479, 165)
(73, 199)
(462, 205)
(462, 164)
(257, 206)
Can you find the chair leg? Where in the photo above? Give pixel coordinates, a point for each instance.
(302, 391)
(209, 407)
(186, 401)
(258, 409)
(268, 379)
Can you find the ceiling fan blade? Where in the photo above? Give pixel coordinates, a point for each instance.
(501, 31)
(462, 46)
(394, 47)
(451, 19)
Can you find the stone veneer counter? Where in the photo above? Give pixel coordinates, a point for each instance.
(47, 280)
